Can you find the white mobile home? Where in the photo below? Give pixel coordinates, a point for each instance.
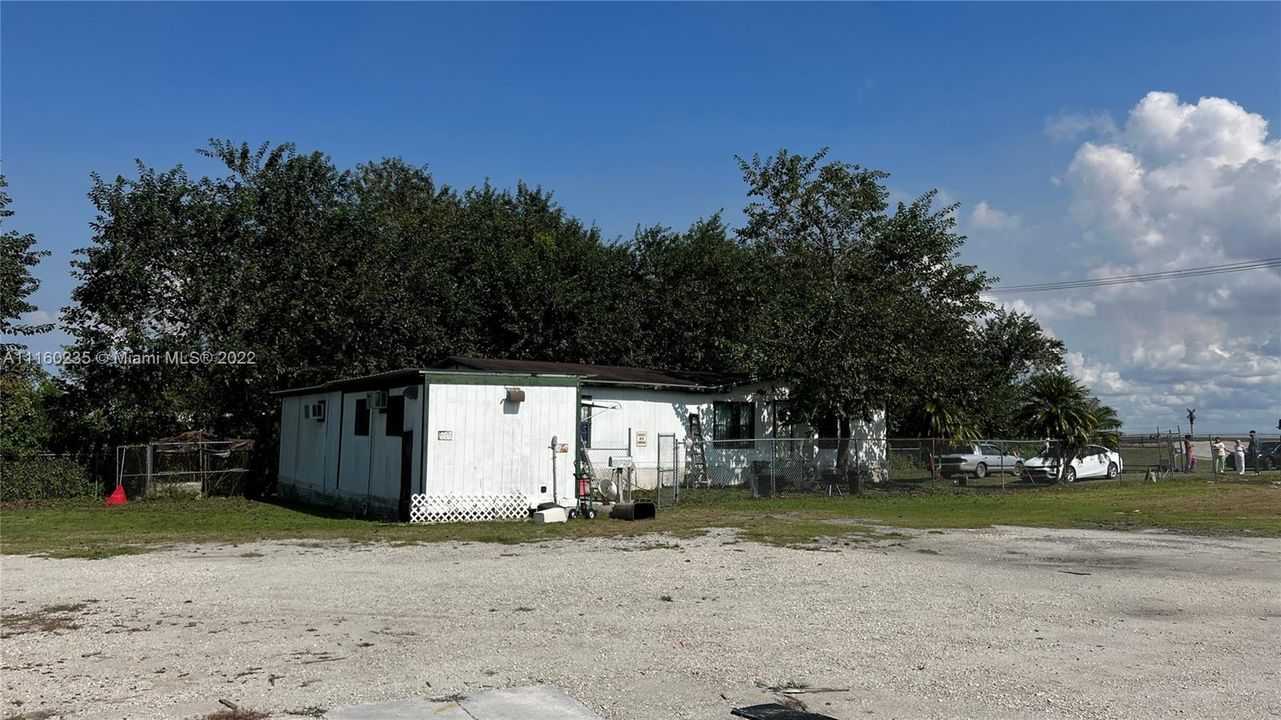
(431, 444)
(479, 439)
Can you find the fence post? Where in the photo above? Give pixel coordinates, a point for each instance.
(147, 488)
(773, 466)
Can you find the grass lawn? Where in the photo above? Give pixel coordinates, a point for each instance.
(88, 529)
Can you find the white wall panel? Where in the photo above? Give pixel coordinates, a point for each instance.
(478, 444)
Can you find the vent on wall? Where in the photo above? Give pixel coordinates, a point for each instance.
(515, 395)
(378, 400)
(314, 411)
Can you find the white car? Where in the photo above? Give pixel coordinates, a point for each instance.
(1091, 461)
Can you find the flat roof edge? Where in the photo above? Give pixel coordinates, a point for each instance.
(413, 374)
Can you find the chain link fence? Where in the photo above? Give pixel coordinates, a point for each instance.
(833, 466)
(197, 468)
(611, 472)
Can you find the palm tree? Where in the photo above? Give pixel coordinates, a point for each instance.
(948, 421)
(1107, 425)
(1059, 408)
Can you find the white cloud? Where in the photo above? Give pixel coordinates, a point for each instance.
(986, 217)
(39, 317)
(1103, 378)
(1069, 126)
(1180, 185)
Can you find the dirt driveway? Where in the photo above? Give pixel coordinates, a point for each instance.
(997, 623)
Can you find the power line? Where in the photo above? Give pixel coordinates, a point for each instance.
(1144, 277)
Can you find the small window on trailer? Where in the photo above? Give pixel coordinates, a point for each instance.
(314, 411)
(585, 421)
(362, 417)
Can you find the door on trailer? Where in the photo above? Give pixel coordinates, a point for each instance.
(406, 473)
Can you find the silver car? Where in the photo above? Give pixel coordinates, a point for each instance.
(978, 460)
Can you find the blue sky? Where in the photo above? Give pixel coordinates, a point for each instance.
(632, 113)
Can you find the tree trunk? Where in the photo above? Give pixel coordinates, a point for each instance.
(1067, 455)
(844, 433)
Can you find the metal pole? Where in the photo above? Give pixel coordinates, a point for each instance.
(774, 458)
(555, 495)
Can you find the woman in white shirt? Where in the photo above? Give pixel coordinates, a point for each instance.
(1220, 453)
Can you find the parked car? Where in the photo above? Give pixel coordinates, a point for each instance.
(978, 460)
(1269, 457)
(1091, 461)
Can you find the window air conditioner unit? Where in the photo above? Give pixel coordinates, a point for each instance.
(314, 411)
(378, 400)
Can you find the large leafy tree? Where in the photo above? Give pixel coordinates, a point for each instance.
(17, 259)
(1011, 346)
(698, 295)
(864, 300)
(24, 386)
(320, 272)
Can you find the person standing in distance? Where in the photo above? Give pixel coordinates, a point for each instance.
(1253, 450)
(1219, 455)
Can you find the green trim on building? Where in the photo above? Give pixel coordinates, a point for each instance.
(422, 444)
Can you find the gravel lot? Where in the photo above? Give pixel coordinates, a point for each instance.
(995, 623)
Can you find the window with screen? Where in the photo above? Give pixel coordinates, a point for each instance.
(362, 417)
(395, 415)
(735, 421)
(585, 421)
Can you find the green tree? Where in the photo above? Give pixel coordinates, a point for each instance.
(698, 295)
(25, 424)
(17, 259)
(1011, 346)
(24, 386)
(861, 297)
(320, 272)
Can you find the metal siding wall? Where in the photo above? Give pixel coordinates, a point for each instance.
(306, 451)
(371, 465)
(497, 447)
(289, 411)
(333, 431)
(666, 412)
(353, 474)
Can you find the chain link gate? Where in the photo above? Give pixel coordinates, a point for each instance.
(667, 470)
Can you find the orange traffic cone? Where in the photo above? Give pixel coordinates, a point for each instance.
(117, 497)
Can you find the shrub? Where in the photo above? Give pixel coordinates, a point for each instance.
(44, 477)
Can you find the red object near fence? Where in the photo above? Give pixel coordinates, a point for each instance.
(118, 496)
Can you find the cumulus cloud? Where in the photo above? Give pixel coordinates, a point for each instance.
(1049, 308)
(1070, 126)
(40, 317)
(986, 217)
(1103, 378)
(1178, 185)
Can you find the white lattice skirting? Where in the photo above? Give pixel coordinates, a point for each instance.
(466, 508)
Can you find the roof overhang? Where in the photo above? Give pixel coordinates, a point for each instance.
(417, 376)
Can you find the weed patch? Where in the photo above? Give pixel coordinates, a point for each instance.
(47, 619)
